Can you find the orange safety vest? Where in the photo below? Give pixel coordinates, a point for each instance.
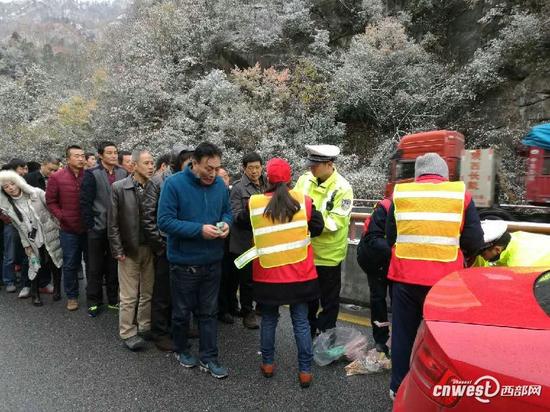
(276, 244)
(428, 218)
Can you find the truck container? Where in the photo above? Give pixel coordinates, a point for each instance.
(478, 169)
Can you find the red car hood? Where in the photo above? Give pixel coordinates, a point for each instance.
(494, 296)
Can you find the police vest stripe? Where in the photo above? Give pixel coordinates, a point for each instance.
(443, 217)
(428, 218)
(279, 228)
(257, 211)
(254, 253)
(428, 240)
(425, 194)
(283, 247)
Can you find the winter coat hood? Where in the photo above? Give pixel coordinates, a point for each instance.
(11, 176)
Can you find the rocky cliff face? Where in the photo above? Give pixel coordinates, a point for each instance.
(462, 27)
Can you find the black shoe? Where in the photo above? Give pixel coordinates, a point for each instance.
(36, 301)
(134, 343)
(165, 344)
(226, 318)
(146, 335)
(94, 310)
(250, 322)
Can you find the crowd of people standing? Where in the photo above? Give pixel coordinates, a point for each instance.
(168, 243)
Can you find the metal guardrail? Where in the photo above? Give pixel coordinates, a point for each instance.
(357, 220)
(543, 228)
(356, 226)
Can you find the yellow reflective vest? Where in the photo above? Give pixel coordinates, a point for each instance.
(334, 199)
(428, 218)
(276, 244)
(524, 250)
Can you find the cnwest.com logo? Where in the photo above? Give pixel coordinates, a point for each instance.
(485, 388)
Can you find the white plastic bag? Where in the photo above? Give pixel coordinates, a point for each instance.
(335, 343)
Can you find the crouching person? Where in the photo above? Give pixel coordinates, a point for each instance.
(37, 228)
(283, 270)
(134, 256)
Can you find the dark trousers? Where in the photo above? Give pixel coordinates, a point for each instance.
(330, 282)
(73, 246)
(407, 303)
(13, 253)
(245, 287)
(101, 265)
(161, 305)
(195, 289)
(378, 288)
(47, 265)
(227, 301)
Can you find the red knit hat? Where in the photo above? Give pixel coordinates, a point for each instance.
(278, 170)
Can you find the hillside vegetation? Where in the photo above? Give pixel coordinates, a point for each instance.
(274, 75)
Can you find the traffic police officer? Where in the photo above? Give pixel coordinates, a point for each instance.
(333, 197)
(432, 224)
(512, 249)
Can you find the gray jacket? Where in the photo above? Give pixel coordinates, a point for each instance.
(48, 223)
(95, 197)
(241, 239)
(125, 227)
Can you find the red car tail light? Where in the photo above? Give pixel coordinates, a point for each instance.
(430, 368)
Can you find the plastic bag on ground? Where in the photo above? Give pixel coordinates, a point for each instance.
(335, 343)
(372, 362)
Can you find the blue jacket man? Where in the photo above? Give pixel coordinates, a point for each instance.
(195, 215)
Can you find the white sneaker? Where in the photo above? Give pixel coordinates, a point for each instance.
(25, 293)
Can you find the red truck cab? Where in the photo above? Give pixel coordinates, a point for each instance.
(446, 143)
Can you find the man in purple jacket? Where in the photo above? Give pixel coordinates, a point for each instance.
(63, 200)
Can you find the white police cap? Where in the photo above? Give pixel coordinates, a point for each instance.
(318, 153)
(493, 230)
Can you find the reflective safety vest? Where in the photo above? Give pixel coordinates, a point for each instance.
(524, 250)
(429, 217)
(276, 244)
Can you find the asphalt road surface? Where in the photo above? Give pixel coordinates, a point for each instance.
(55, 360)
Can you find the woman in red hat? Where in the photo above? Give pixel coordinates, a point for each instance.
(283, 273)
